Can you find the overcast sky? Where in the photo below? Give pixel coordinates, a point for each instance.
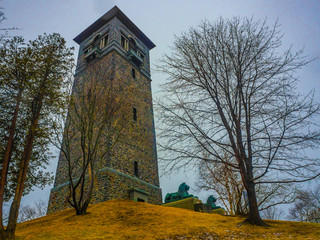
(160, 21)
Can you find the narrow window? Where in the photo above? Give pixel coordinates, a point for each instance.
(140, 200)
(124, 43)
(135, 114)
(136, 170)
(104, 41)
(88, 49)
(140, 54)
(133, 73)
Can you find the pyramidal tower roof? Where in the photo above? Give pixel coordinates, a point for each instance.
(114, 12)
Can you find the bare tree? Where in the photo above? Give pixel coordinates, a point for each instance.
(28, 212)
(2, 18)
(273, 213)
(307, 206)
(4, 30)
(226, 182)
(232, 90)
(94, 124)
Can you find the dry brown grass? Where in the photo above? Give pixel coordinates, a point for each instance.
(133, 220)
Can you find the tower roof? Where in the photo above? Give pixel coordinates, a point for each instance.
(114, 12)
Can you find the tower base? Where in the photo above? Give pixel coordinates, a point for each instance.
(110, 184)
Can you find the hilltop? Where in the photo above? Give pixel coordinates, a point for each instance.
(134, 220)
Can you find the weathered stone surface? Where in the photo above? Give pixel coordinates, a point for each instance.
(187, 203)
(201, 207)
(137, 144)
(110, 185)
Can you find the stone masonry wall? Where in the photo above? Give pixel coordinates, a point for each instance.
(110, 185)
(137, 143)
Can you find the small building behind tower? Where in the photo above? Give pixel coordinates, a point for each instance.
(131, 170)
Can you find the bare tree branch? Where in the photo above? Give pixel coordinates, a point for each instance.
(232, 90)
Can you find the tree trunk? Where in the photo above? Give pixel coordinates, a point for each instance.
(254, 216)
(86, 202)
(23, 168)
(7, 156)
(7, 235)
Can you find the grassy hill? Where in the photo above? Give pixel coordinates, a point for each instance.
(133, 220)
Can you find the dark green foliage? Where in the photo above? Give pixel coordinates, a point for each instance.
(15, 73)
(34, 87)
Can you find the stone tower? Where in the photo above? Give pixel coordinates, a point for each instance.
(132, 170)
